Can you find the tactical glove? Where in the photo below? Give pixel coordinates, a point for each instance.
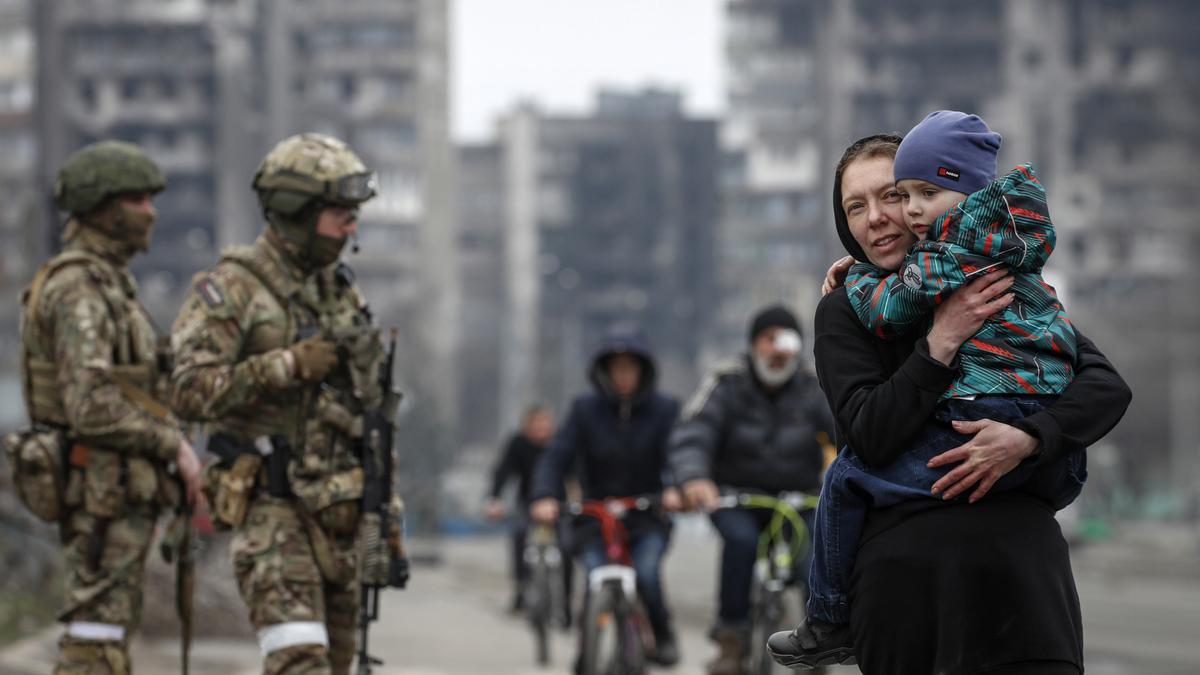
(314, 356)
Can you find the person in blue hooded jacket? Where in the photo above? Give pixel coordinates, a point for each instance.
(616, 439)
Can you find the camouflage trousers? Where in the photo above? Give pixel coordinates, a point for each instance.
(305, 622)
(105, 569)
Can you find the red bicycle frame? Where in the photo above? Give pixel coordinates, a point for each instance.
(609, 512)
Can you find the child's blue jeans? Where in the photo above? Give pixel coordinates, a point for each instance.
(851, 488)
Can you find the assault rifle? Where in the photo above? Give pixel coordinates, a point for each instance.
(384, 564)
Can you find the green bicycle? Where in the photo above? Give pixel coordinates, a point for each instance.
(784, 542)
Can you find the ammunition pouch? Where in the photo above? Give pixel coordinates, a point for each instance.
(36, 458)
(237, 474)
(229, 489)
(52, 475)
(105, 480)
(340, 519)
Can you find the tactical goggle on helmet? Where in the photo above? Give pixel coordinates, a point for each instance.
(355, 188)
(309, 167)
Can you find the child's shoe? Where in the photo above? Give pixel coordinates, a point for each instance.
(813, 643)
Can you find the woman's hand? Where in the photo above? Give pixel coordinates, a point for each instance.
(963, 313)
(836, 274)
(995, 449)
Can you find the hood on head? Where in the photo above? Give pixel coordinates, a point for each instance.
(858, 149)
(623, 341)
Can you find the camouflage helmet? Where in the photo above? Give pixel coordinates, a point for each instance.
(101, 170)
(311, 166)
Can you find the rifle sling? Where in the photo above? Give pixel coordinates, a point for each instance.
(143, 400)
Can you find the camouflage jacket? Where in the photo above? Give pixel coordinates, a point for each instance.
(229, 342)
(88, 334)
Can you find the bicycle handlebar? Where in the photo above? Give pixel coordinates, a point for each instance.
(615, 506)
(786, 508)
(800, 501)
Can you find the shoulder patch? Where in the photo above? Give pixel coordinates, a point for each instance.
(209, 292)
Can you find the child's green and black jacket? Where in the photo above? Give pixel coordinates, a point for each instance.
(1029, 347)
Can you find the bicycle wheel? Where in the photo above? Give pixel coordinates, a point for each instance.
(612, 641)
(556, 589)
(538, 603)
(766, 617)
(636, 634)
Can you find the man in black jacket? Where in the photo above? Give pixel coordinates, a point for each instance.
(518, 460)
(756, 424)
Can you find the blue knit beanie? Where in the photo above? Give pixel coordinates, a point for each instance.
(954, 150)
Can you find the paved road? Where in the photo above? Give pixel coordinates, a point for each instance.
(453, 621)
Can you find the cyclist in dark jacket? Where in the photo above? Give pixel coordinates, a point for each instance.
(756, 424)
(518, 459)
(616, 439)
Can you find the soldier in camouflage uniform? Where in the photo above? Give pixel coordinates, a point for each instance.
(91, 371)
(275, 347)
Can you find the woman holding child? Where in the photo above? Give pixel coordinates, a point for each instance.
(955, 563)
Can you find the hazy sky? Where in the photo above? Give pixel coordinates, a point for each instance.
(557, 52)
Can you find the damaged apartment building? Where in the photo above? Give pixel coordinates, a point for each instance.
(1100, 96)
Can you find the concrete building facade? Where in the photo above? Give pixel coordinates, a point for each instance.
(376, 74)
(773, 235)
(144, 72)
(481, 239)
(1101, 97)
(19, 194)
(610, 221)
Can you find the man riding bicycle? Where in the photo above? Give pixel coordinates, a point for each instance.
(518, 460)
(756, 425)
(616, 439)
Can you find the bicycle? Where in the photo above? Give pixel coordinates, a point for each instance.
(782, 544)
(544, 590)
(616, 631)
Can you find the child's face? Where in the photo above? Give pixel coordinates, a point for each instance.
(924, 202)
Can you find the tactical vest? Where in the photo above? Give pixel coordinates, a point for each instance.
(52, 472)
(322, 422)
(139, 357)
